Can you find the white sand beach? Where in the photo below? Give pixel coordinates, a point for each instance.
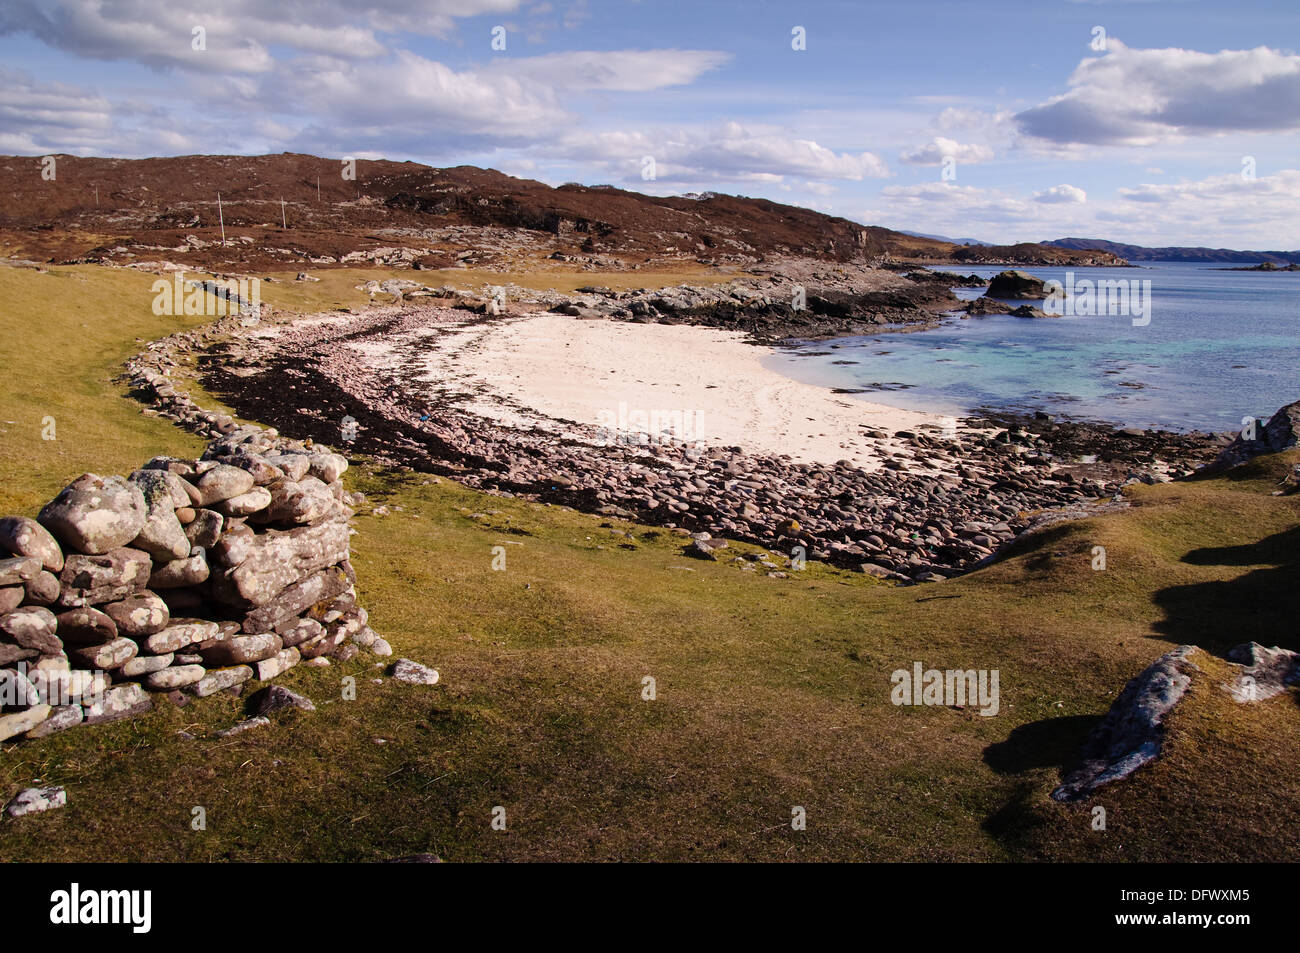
(601, 372)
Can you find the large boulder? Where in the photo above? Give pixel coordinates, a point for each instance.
(139, 615)
(107, 577)
(32, 627)
(23, 536)
(94, 514)
(162, 537)
(290, 602)
(1281, 432)
(1132, 733)
(1014, 285)
(277, 560)
(118, 703)
(223, 482)
(86, 626)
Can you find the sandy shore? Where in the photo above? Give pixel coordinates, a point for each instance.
(696, 383)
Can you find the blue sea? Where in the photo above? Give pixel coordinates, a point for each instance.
(1219, 346)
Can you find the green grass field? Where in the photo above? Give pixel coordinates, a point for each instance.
(769, 693)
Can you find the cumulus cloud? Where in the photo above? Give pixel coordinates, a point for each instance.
(426, 106)
(1220, 210)
(729, 152)
(236, 32)
(1061, 194)
(940, 149)
(1144, 96)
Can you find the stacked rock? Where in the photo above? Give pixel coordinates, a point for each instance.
(190, 576)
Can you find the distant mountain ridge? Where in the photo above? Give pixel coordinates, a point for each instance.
(943, 238)
(1176, 253)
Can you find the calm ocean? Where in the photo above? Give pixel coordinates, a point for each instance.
(1220, 345)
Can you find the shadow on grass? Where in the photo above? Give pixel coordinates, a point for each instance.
(1040, 744)
(1050, 743)
(1258, 606)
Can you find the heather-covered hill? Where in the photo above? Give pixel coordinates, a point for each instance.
(279, 208)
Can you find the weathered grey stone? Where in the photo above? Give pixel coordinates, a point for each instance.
(279, 559)
(248, 724)
(20, 722)
(62, 717)
(86, 626)
(36, 801)
(17, 691)
(42, 590)
(11, 597)
(236, 544)
(293, 465)
(327, 467)
(297, 631)
(413, 673)
(1132, 732)
(277, 665)
(180, 573)
(23, 536)
(258, 498)
(264, 472)
(222, 482)
(381, 648)
(1264, 672)
(275, 698)
(205, 530)
(72, 686)
(220, 680)
(124, 701)
(242, 649)
(95, 514)
(182, 468)
(144, 664)
(177, 676)
(304, 502)
(32, 627)
(162, 535)
(106, 577)
(139, 615)
(178, 634)
(17, 570)
(10, 654)
(325, 584)
(110, 655)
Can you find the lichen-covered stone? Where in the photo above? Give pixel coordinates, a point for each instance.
(139, 615)
(94, 514)
(23, 536)
(125, 701)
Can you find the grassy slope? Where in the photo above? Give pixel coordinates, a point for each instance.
(771, 692)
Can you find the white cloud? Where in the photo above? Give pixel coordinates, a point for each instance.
(940, 149)
(730, 152)
(1144, 96)
(1061, 194)
(237, 32)
(1222, 210)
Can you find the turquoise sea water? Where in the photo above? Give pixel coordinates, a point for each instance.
(1220, 345)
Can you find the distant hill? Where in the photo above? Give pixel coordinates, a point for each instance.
(944, 238)
(279, 208)
(1141, 253)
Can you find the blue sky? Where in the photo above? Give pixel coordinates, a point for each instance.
(1005, 121)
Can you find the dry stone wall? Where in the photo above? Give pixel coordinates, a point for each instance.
(186, 577)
